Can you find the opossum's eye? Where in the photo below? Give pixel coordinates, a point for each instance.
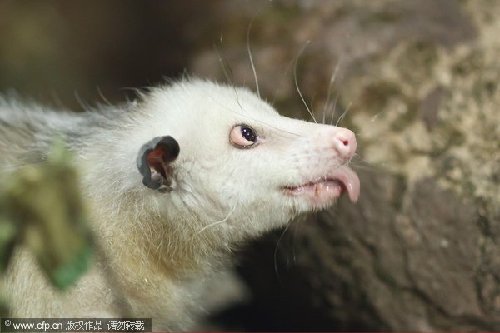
(242, 136)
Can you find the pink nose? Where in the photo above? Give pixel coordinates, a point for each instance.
(344, 142)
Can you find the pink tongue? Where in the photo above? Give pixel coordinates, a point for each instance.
(350, 180)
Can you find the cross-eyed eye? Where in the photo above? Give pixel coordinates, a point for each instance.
(243, 136)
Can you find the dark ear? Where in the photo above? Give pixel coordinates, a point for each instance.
(154, 162)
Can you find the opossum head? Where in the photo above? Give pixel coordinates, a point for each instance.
(226, 159)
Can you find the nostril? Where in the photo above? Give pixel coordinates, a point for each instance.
(345, 143)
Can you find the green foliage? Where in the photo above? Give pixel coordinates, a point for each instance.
(41, 208)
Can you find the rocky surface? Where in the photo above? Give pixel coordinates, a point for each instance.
(418, 83)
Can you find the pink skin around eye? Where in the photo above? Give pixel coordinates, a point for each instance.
(237, 139)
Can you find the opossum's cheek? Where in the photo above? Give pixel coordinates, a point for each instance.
(154, 162)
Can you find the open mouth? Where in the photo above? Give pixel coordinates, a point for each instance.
(329, 187)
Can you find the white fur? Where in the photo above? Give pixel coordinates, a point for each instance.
(164, 246)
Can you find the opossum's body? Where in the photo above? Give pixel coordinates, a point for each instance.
(242, 169)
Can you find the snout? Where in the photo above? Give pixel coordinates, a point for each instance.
(344, 142)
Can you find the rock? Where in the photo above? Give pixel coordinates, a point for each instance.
(418, 81)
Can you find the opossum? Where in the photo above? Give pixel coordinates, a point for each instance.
(175, 182)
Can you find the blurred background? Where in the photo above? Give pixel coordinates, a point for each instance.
(416, 80)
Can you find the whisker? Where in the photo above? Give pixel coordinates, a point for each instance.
(360, 163)
(287, 71)
(249, 51)
(297, 85)
(334, 108)
(224, 66)
(275, 256)
(228, 72)
(217, 222)
(343, 114)
(329, 91)
(254, 119)
(294, 238)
